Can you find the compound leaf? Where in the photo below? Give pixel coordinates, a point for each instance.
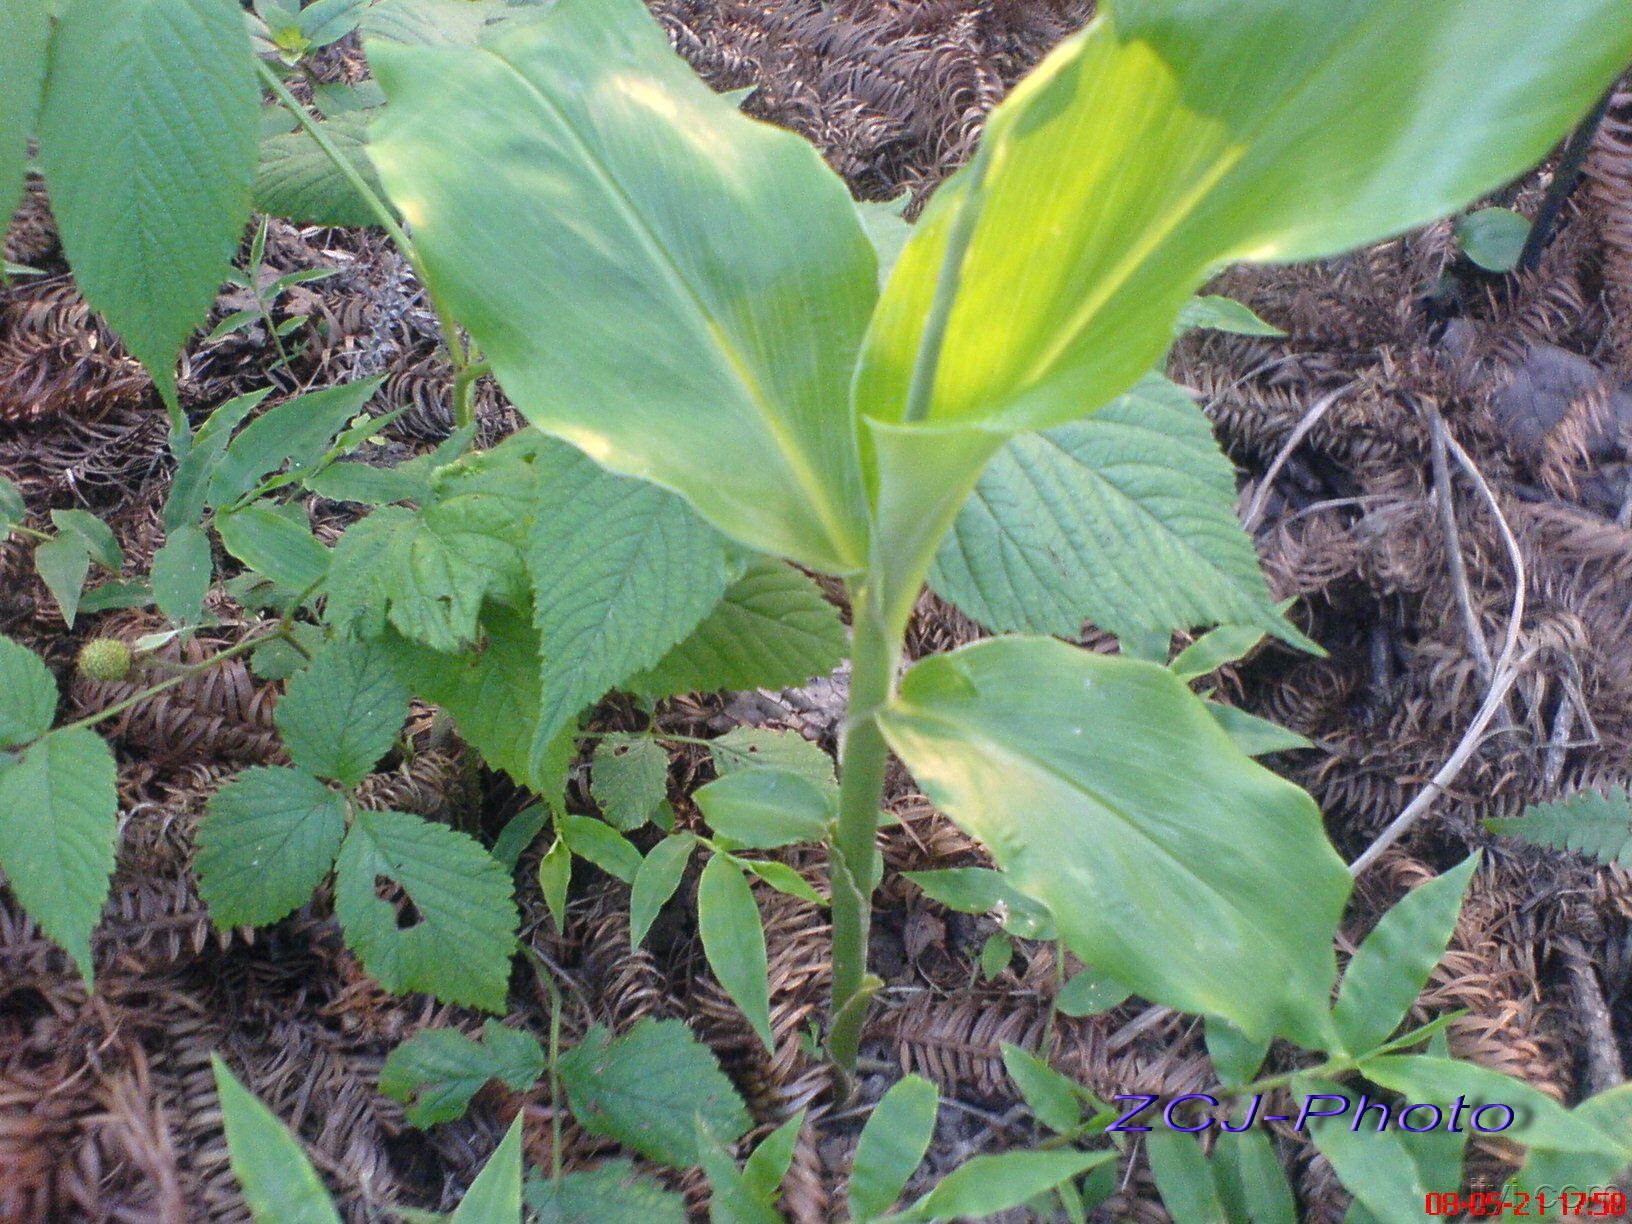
(1107, 793)
(1589, 823)
(460, 947)
(268, 840)
(342, 714)
(647, 1088)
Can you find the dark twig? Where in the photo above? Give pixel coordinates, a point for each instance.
(1565, 176)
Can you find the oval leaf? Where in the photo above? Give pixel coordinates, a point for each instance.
(734, 941)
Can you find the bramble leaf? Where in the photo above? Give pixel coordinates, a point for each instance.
(646, 1089)
(269, 839)
(610, 1193)
(58, 804)
(28, 695)
(767, 748)
(629, 777)
(460, 947)
(339, 716)
(437, 1072)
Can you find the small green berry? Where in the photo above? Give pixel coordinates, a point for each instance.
(104, 659)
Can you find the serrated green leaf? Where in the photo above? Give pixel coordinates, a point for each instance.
(58, 804)
(1493, 238)
(343, 713)
(987, 1185)
(629, 777)
(1392, 965)
(766, 748)
(98, 536)
(269, 839)
(460, 947)
(437, 1072)
(294, 434)
(279, 1183)
(611, 1193)
(297, 180)
(646, 1089)
(765, 808)
(892, 1145)
(182, 571)
(147, 137)
(554, 875)
(25, 32)
(621, 571)
(1588, 823)
(495, 1196)
(772, 629)
(734, 942)
(1126, 520)
(1107, 793)
(1216, 313)
(63, 564)
(28, 695)
(659, 875)
(1052, 1097)
(670, 350)
(601, 844)
(12, 508)
(1183, 1178)
(273, 543)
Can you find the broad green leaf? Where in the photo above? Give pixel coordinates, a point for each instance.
(646, 1089)
(730, 1201)
(296, 433)
(437, 1072)
(297, 180)
(1052, 1097)
(1390, 968)
(13, 510)
(268, 840)
(772, 629)
(765, 808)
(1374, 1166)
(342, 714)
(271, 542)
(25, 32)
(495, 1196)
(987, 1185)
(1250, 1180)
(1610, 1112)
(1183, 1178)
(518, 833)
(1236, 1057)
(1599, 825)
(109, 596)
(611, 1193)
(63, 564)
(621, 571)
(980, 890)
(459, 948)
(887, 229)
(1539, 1122)
(892, 1145)
(1162, 143)
(58, 806)
(491, 692)
(554, 875)
(659, 875)
(1216, 313)
(1493, 238)
(996, 954)
(1089, 993)
(768, 1164)
(367, 484)
(766, 748)
(182, 571)
(147, 136)
(1107, 793)
(668, 284)
(783, 878)
(602, 845)
(97, 535)
(629, 777)
(1215, 649)
(734, 942)
(437, 22)
(1253, 735)
(189, 488)
(28, 695)
(279, 1183)
(1126, 520)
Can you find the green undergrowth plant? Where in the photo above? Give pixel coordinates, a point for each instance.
(741, 378)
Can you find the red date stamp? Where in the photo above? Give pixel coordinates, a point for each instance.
(1545, 1203)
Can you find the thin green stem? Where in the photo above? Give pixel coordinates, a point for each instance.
(861, 790)
(387, 219)
(19, 529)
(170, 682)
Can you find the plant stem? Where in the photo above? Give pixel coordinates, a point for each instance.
(1565, 174)
(170, 682)
(387, 220)
(861, 791)
(931, 342)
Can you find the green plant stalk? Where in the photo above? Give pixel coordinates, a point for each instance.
(874, 653)
(462, 407)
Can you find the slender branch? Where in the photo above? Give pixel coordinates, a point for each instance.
(1565, 176)
(184, 673)
(1453, 545)
(1255, 511)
